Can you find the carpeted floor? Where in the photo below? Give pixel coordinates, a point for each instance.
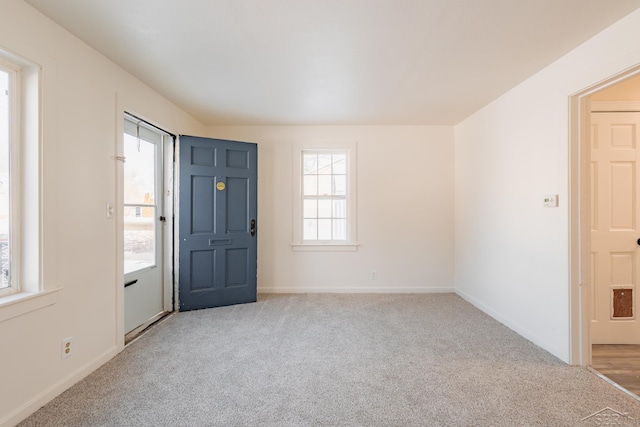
(335, 360)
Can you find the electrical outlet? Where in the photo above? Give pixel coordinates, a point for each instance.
(374, 275)
(109, 210)
(67, 347)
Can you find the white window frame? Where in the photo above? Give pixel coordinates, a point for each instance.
(29, 291)
(142, 130)
(14, 177)
(350, 244)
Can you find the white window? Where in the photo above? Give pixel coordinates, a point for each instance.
(325, 200)
(22, 255)
(9, 179)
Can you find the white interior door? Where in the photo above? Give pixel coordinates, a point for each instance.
(143, 226)
(615, 253)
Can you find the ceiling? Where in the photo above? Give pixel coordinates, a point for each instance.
(368, 62)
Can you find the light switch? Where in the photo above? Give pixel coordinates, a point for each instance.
(551, 201)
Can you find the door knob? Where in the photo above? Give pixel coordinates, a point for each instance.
(638, 241)
(252, 229)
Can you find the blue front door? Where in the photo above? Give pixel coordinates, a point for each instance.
(217, 222)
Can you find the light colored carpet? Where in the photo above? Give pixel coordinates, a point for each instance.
(335, 360)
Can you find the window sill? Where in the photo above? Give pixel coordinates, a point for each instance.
(320, 247)
(25, 302)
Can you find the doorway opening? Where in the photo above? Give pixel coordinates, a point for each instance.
(147, 225)
(605, 228)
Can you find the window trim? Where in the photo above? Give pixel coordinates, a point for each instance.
(35, 291)
(17, 304)
(348, 245)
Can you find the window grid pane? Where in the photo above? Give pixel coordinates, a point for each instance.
(324, 164)
(324, 208)
(339, 164)
(339, 208)
(324, 229)
(339, 229)
(310, 208)
(310, 164)
(340, 185)
(324, 185)
(310, 229)
(310, 185)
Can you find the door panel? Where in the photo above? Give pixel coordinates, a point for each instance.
(622, 196)
(237, 266)
(218, 201)
(237, 208)
(143, 299)
(202, 205)
(614, 231)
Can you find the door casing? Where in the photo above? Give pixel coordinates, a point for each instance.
(580, 299)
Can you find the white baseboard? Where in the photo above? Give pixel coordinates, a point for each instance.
(519, 329)
(49, 394)
(352, 290)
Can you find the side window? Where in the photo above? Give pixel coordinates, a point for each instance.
(8, 177)
(25, 284)
(325, 199)
(21, 257)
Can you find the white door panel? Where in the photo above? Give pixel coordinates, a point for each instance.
(143, 228)
(614, 227)
(143, 298)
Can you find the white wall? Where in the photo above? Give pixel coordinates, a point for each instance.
(404, 218)
(511, 253)
(79, 137)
